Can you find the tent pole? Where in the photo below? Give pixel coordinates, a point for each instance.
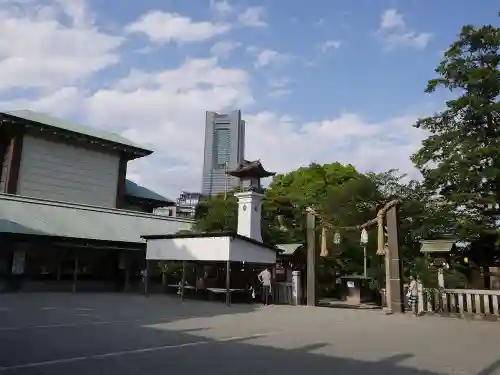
(228, 283)
(127, 273)
(146, 279)
(75, 272)
(183, 279)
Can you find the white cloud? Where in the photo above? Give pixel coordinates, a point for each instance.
(279, 87)
(279, 93)
(223, 48)
(221, 7)
(328, 45)
(38, 50)
(253, 17)
(280, 82)
(78, 11)
(394, 32)
(162, 27)
(391, 19)
(267, 57)
(347, 138)
(165, 109)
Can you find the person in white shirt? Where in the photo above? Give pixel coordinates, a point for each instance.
(413, 292)
(265, 280)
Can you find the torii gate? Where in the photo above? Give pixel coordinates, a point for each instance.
(393, 264)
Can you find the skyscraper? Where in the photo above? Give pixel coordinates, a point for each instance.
(224, 150)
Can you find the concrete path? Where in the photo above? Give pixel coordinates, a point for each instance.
(128, 334)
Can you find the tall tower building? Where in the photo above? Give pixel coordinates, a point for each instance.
(224, 151)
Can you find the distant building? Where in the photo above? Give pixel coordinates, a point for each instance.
(186, 204)
(224, 150)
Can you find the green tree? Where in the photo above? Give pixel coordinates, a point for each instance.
(460, 160)
(217, 214)
(289, 194)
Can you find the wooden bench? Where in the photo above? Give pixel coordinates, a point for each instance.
(214, 291)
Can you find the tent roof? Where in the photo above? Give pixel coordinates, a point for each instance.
(209, 247)
(209, 234)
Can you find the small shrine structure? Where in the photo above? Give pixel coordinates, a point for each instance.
(250, 197)
(250, 174)
(243, 247)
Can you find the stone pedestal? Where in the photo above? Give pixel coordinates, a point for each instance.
(356, 289)
(441, 278)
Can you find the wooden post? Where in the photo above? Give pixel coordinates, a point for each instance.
(311, 258)
(388, 292)
(228, 283)
(127, 275)
(183, 279)
(75, 272)
(395, 264)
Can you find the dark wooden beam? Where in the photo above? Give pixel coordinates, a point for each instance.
(16, 150)
(120, 189)
(4, 148)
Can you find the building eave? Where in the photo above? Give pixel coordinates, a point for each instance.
(131, 152)
(210, 234)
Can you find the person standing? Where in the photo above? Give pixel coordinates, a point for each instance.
(413, 291)
(144, 278)
(265, 280)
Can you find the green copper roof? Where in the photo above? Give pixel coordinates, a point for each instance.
(437, 246)
(289, 248)
(43, 217)
(47, 120)
(135, 190)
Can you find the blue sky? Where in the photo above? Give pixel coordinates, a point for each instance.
(317, 81)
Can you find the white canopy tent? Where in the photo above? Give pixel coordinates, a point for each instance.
(209, 247)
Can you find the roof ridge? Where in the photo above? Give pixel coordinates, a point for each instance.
(50, 120)
(88, 207)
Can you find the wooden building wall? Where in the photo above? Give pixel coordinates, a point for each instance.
(65, 172)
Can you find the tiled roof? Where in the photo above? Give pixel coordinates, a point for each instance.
(138, 191)
(44, 119)
(24, 215)
(251, 168)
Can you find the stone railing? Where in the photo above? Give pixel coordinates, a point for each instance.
(464, 302)
(283, 293)
(461, 301)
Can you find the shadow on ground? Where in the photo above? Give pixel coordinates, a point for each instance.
(150, 348)
(192, 355)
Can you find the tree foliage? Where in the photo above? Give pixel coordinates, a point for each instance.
(217, 214)
(344, 197)
(460, 160)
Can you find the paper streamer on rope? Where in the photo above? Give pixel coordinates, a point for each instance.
(324, 249)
